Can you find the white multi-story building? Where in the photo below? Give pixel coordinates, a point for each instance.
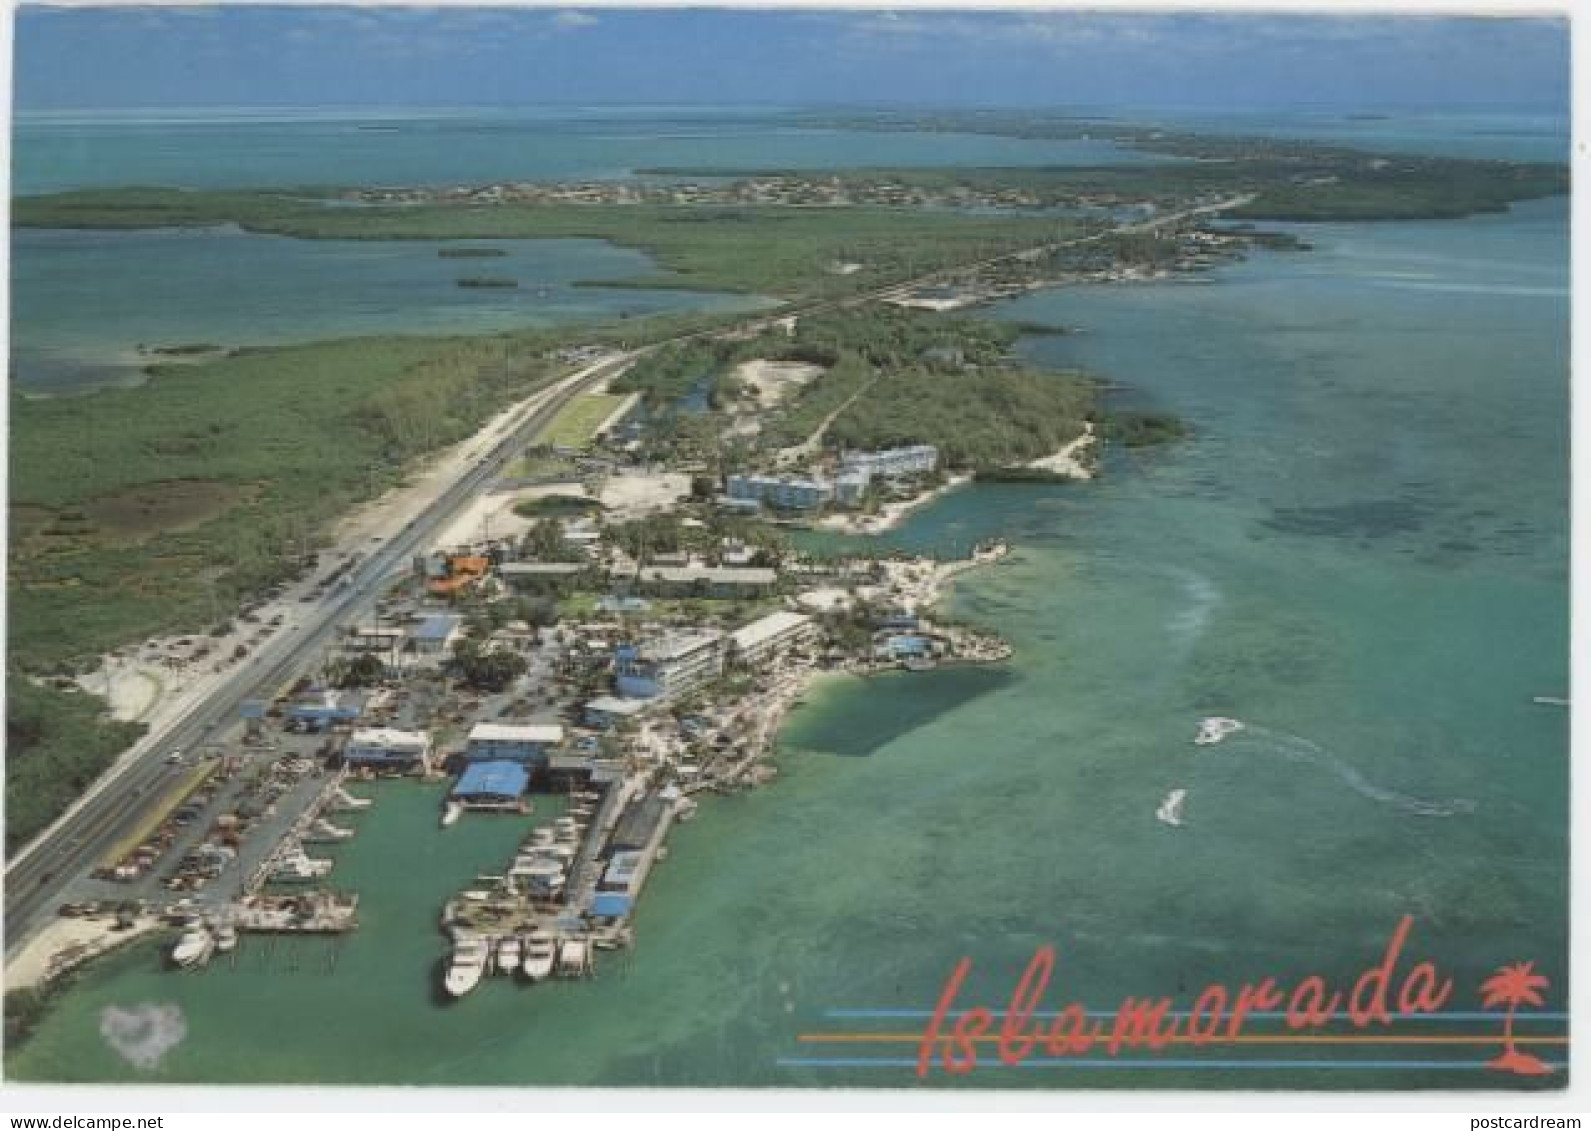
(385, 748)
(505, 742)
(763, 639)
(919, 459)
(857, 469)
(780, 493)
(673, 664)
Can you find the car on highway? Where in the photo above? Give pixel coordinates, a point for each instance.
(174, 758)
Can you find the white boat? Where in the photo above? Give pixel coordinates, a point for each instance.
(540, 953)
(323, 830)
(226, 938)
(297, 868)
(451, 813)
(574, 960)
(1549, 701)
(194, 948)
(1170, 811)
(470, 953)
(1214, 729)
(346, 800)
(508, 955)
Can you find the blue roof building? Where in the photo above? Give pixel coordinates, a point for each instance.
(611, 905)
(492, 785)
(435, 633)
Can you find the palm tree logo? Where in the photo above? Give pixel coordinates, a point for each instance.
(1511, 987)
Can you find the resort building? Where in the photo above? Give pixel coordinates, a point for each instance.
(919, 459)
(608, 711)
(762, 640)
(780, 493)
(672, 664)
(386, 749)
(706, 581)
(322, 708)
(436, 634)
(902, 647)
(540, 575)
(523, 743)
(850, 486)
(376, 639)
(858, 469)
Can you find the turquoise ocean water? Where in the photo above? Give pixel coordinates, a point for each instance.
(1361, 553)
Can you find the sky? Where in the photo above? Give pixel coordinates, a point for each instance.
(238, 55)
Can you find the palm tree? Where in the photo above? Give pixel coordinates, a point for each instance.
(1513, 986)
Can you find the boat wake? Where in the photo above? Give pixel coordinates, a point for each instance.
(1200, 597)
(1170, 811)
(145, 1034)
(1297, 749)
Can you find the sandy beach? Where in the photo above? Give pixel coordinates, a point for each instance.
(1075, 460)
(890, 515)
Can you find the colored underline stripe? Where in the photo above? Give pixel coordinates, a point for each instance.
(1454, 1016)
(1253, 1039)
(1400, 1065)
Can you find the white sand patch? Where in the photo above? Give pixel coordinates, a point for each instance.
(492, 516)
(825, 599)
(775, 380)
(890, 515)
(632, 495)
(1070, 459)
(66, 942)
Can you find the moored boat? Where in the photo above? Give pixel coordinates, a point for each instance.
(540, 953)
(574, 959)
(194, 948)
(468, 964)
(297, 868)
(508, 955)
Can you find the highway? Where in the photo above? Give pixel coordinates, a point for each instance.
(111, 808)
(75, 844)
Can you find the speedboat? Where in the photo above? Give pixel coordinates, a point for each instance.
(540, 953)
(452, 813)
(508, 954)
(1214, 729)
(574, 960)
(226, 938)
(194, 948)
(470, 953)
